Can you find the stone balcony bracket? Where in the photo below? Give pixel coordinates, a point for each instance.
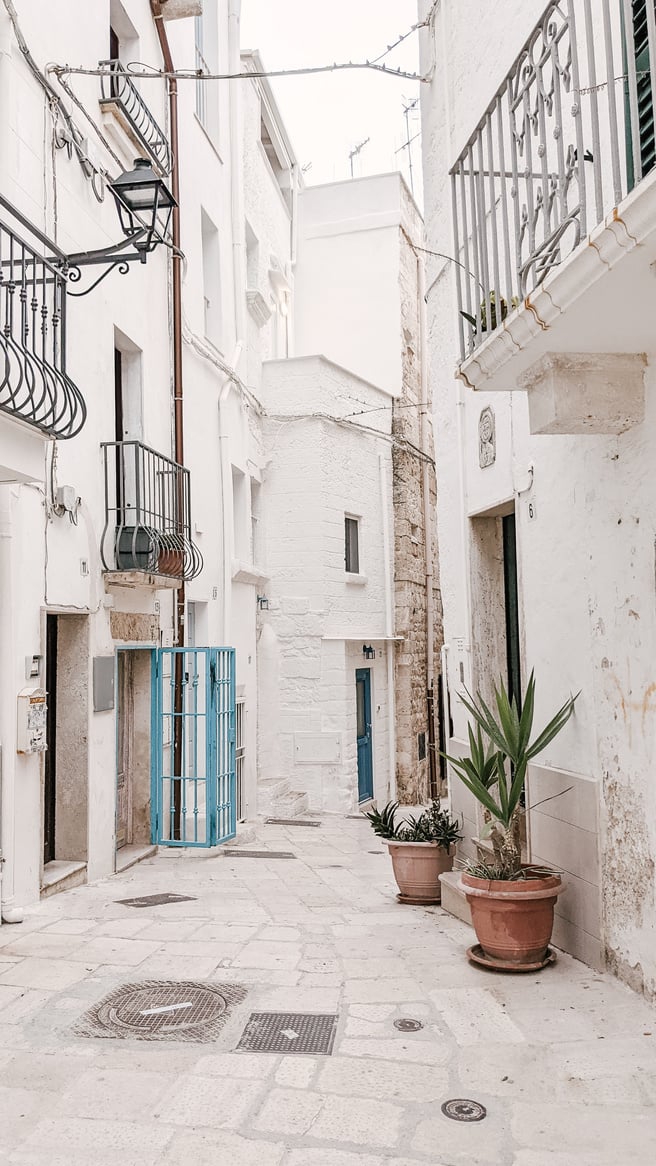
(580, 392)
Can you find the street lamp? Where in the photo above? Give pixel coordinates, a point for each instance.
(145, 205)
(141, 198)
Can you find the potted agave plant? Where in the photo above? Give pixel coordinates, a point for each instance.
(421, 848)
(512, 902)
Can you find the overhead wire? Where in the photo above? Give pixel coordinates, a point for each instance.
(145, 71)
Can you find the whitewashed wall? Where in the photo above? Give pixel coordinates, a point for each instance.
(318, 619)
(47, 576)
(586, 574)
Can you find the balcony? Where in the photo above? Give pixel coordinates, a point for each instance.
(147, 515)
(34, 385)
(554, 209)
(120, 96)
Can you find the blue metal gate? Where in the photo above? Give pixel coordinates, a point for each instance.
(193, 794)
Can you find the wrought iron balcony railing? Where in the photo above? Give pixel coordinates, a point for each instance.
(569, 133)
(34, 385)
(118, 89)
(147, 513)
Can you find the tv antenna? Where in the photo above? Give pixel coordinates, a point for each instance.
(355, 151)
(408, 108)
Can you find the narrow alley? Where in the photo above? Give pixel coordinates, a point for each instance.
(314, 928)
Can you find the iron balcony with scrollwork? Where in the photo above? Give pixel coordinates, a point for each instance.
(34, 385)
(119, 93)
(147, 513)
(567, 138)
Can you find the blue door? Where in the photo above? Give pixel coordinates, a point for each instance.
(365, 749)
(193, 795)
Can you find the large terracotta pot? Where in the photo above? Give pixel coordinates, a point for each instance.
(417, 868)
(513, 921)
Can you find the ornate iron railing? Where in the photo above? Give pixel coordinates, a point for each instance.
(34, 384)
(569, 132)
(118, 89)
(147, 513)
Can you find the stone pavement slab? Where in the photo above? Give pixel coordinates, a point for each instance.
(563, 1060)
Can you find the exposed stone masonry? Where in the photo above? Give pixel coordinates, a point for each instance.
(412, 775)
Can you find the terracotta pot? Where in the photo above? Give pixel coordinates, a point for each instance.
(417, 868)
(513, 921)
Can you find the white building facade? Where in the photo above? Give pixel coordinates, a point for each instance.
(348, 496)
(540, 193)
(119, 536)
(206, 494)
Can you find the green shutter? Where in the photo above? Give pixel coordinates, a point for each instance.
(645, 102)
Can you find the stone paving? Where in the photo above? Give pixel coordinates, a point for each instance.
(564, 1060)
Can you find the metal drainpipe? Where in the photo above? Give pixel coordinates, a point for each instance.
(10, 913)
(178, 413)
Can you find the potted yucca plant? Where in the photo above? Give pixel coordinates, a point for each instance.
(512, 902)
(421, 848)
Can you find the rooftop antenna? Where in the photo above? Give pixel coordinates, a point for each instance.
(408, 107)
(356, 150)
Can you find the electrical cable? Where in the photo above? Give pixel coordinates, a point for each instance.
(147, 72)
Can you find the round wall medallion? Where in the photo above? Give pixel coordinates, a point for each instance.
(462, 1109)
(407, 1025)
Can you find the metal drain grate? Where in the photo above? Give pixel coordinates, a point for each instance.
(290, 822)
(462, 1109)
(179, 1010)
(156, 900)
(290, 1032)
(259, 854)
(405, 1024)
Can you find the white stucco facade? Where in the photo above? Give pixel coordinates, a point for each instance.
(51, 566)
(337, 454)
(572, 464)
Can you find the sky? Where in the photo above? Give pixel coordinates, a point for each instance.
(328, 115)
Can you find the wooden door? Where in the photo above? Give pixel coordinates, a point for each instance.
(124, 749)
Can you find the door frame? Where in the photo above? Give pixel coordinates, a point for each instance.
(364, 675)
(218, 712)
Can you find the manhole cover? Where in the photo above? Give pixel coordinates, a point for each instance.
(259, 854)
(289, 1032)
(407, 1025)
(156, 900)
(162, 1010)
(290, 822)
(462, 1109)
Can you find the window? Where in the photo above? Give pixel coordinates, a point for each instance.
(276, 155)
(213, 314)
(351, 545)
(241, 524)
(207, 61)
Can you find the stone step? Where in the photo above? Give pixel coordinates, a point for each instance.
(453, 899)
(271, 790)
(62, 876)
(293, 805)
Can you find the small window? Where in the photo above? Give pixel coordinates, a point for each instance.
(351, 546)
(211, 260)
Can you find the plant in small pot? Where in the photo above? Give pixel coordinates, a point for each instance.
(512, 903)
(421, 849)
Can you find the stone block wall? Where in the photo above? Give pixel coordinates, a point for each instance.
(412, 718)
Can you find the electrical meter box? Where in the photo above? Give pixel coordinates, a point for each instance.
(31, 727)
